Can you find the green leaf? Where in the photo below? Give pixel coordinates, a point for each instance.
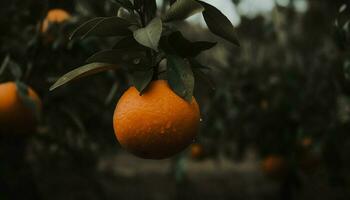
(150, 10)
(180, 77)
(137, 4)
(80, 72)
(150, 35)
(129, 43)
(142, 78)
(182, 9)
(118, 56)
(4, 64)
(218, 23)
(176, 43)
(15, 69)
(103, 27)
(23, 92)
(125, 3)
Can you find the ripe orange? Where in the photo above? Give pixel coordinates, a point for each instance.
(274, 166)
(15, 117)
(54, 16)
(306, 142)
(156, 124)
(197, 151)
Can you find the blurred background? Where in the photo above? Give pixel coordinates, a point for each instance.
(275, 112)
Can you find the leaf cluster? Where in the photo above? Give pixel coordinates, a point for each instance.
(144, 38)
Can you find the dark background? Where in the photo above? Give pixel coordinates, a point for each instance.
(286, 83)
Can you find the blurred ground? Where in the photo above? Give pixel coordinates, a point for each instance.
(124, 176)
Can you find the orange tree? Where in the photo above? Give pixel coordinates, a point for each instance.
(153, 119)
(28, 57)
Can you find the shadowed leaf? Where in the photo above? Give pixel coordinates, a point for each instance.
(142, 78)
(80, 72)
(118, 56)
(102, 26)
(182, 9)
(128, 43)
(176, 43)
(218, 23)
(150, 35)
(124, 3)
(180, 77)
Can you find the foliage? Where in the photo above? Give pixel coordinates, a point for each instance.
(148, 32)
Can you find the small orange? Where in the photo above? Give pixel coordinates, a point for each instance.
(54, 16)
(15, 117)
(156, 124)
(274, 166)
(197, 151)
(306, 142)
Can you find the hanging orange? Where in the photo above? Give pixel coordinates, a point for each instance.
(274, 166)
(15, 117)
(197, 151)
(156, 124)
(54, 16)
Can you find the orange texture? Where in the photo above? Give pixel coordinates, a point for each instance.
(197, 151)
(55, 16)
(15, 117)
(274, 166)
(156, 124)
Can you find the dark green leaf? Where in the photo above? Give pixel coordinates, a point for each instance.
(117, 56)
(102, 26)
(23, 92)
(125, 3)
(137, 4)
(150, 10)
(180, 77)
(150, 35)
(15, 69)
(85, 27)
(80, 72)
(176, 43)
(218, 23)
(129, 43)
(4, 64)
(142, 78)
(182, 9)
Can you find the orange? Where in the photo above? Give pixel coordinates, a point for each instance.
(15, 117)
(54, 16)
(197, 151)
(274, 166)
(156, 124)
(306, 142)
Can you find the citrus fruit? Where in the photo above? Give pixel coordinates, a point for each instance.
(306, 142)
(156, 124)
(196, 151)
(274, 166)
(54, 16)
(15, 116)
